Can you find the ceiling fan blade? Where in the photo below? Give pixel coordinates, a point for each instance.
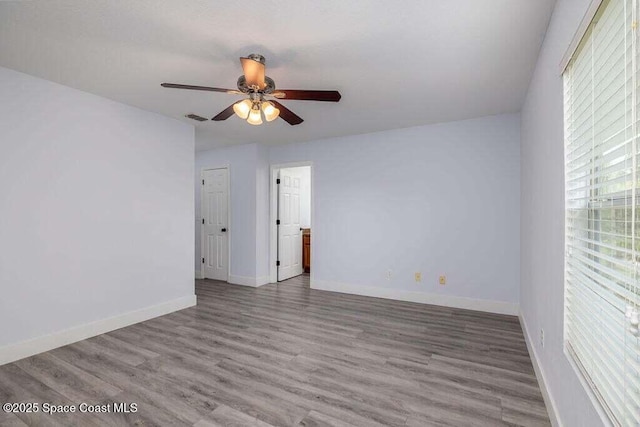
(206, 88)
(308, 95)
(287, 115)
(224, 114)
(253, 72)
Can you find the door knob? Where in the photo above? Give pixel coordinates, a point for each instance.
(224, 230)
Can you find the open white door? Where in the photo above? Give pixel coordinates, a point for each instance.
(289, 234)
(215, 241)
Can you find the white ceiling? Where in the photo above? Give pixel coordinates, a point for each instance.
(396, 63)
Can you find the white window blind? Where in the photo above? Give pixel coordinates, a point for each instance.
(602, 223)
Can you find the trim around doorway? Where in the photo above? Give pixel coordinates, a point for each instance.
(273, 215)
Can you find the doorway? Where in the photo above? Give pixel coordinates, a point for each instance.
(291, 236)
(215, 224)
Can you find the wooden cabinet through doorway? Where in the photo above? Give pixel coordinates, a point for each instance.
(306, 249)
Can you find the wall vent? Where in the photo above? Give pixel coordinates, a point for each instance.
(195, 117)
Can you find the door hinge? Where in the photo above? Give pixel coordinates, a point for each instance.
(277, 263)
(202, 220)
(203, 260)
(277, 222)
(203, 182)
(278, 181)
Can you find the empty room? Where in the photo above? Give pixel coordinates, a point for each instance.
(330, 213)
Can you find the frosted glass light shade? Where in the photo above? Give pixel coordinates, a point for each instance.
(255, 118)
(270, 112)
(242, 108)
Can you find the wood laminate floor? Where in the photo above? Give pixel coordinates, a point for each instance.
(286, 355)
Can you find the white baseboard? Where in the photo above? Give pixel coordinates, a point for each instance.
(253, 282)
(199, 274)
(546, 395)
(499, 307)
(264, 280)
(242, 280)
(20, 350)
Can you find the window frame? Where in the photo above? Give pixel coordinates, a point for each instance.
(616, 199)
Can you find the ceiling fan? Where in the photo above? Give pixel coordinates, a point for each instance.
(259, 88)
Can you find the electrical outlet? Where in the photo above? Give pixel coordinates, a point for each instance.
(388, 275)
(541, 337)
(443, 280)
(418, 277)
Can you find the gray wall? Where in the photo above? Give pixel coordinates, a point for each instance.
(96, 205)
(542, 225)
(242, 161)
(439, 199)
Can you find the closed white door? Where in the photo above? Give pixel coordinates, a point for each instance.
(215, 217)
(289, 233)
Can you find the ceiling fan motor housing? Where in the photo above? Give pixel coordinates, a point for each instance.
(243, 87)
(257, 57)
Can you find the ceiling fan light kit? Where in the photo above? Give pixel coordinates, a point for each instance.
(270, 112)
(242, 108)
(252, 110)
(255, 117)
(257, 86)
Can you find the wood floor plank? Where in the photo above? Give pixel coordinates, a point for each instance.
(514, 417)
(264, 403)
(68, 380)
(128, 353)
(8, 419)
(150, 390)
(287, 355)
(149, 413)
(317, 419)
(16, 386)
(224, 416)
(310, 396)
